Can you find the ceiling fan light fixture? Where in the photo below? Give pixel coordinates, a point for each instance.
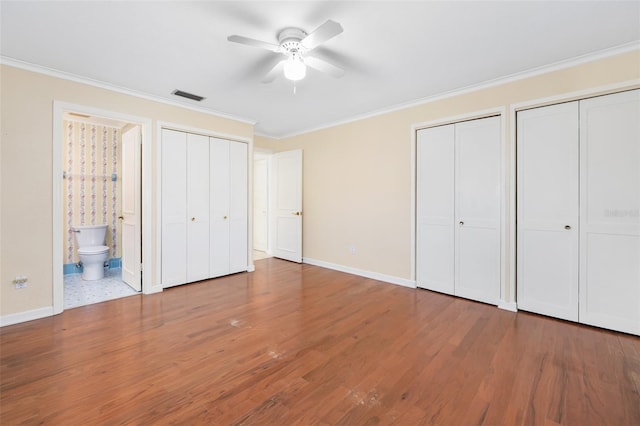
(295, 69)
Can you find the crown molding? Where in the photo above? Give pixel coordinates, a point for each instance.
(545, 69)
(557, 66)
(16, 63)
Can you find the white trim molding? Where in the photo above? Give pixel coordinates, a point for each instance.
(361, 272)
(16, 63)
(545, 69)
(25, 316)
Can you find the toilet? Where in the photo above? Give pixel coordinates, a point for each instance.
(92, 251)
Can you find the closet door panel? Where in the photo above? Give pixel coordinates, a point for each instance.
(238, 244)
(435, 209)
(477, 209)
(197, 207)
(610, 206)
(220, 228)
(174, 208)
(547, 203)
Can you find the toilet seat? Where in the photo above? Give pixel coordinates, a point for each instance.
(93, 250)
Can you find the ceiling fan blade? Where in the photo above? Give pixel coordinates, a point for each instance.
(275, 71)
(323, 33)
(324, 66)
(253, 42)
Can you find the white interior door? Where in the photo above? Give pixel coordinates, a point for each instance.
(610, 211)
(547, 212)
(197, 207)
(260, 203)
(477, 209)
(130, 217)
(220, 196)
(435, 209)
(238, 204)
(174, 208)
(286, 213)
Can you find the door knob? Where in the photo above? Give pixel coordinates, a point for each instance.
(121, 217)
(224, 217)
(461, 223)
(297, 213)
(193, 219)
(567, 227)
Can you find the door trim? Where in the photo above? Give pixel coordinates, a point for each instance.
(505, 297)
(59, 108)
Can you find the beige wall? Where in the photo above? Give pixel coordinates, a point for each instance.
(26, 109)
(357, 176)
(265, 143)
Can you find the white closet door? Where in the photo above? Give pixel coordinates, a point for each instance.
(174, 208)
(219, 237)
(477, 209)
(435, 209)
(610, 211)
(197, 207)
(238, 186)
(547, 189)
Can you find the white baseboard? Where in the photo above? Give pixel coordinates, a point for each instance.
(508, 306)
(26, 316)
(367, 274)
(251, 268)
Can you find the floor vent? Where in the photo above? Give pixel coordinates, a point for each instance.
(187, 95)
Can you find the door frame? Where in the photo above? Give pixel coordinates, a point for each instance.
(158, 182)
(59, 108)
(507, 299)
(535, 103)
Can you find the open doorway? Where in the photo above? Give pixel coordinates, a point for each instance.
(98, 219)
(101, 209)
(261, 179)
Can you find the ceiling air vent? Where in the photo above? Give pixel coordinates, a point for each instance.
(187, 95)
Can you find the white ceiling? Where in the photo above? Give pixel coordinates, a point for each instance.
(393, 52)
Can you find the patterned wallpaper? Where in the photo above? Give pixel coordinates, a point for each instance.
(92, 187)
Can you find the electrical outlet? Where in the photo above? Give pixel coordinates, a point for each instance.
(352, 250)
(21, 285)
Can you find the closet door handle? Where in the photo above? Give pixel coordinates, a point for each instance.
(461, 223)
(224, 217)
(193, 219)
(567, 227)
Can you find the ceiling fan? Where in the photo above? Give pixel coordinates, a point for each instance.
(295, 44)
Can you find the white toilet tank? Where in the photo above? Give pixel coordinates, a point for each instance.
(90, 235)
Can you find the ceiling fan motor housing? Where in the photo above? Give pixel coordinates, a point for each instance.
(289, 40)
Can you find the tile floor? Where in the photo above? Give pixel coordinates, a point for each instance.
(78, 292)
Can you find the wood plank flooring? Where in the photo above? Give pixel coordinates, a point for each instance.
(301, 345)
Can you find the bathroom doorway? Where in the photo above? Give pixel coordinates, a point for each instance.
(99, 183)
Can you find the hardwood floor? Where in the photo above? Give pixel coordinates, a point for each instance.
(297, 345)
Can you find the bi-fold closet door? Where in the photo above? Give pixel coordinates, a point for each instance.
(204, 207)
(578, 211)
(458, 244)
